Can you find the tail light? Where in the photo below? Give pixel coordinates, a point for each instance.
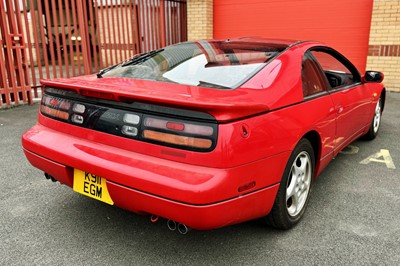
(55, 107)
(180, 133)
(135, 124)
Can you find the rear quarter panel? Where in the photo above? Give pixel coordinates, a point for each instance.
(278, 132)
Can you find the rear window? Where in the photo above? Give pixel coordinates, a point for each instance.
(223, 64)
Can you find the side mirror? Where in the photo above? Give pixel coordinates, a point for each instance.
(373, 76)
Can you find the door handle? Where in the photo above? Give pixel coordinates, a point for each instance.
(339, 109)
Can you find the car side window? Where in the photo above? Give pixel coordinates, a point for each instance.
(312, 77)
(338, 71)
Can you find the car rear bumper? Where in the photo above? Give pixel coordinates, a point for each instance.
(200, 197)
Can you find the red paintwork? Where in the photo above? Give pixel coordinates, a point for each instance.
(180, 181)
(201, 189)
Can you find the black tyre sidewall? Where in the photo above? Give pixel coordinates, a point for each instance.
(371, 133)
(279, 216)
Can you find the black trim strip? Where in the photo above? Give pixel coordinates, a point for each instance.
(315, 96)
(342, 88)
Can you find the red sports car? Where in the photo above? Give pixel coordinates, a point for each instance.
(207, 133)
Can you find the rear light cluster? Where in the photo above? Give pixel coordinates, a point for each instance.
(178, 133)
(55, 107)
(173, 132)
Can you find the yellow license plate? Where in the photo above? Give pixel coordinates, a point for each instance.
(92, 186)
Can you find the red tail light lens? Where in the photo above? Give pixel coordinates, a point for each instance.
(97, 94)
(203, 130)
(62, 109)
(199, 136)
(175, 126)
(55, 107)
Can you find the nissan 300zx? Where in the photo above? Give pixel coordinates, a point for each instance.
(208, 133)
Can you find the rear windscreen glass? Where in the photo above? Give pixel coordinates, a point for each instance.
(207, 64)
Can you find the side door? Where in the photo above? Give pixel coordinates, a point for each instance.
(320, 108)
(351, 98)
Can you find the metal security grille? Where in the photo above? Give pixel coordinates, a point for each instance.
(14, 78)
(43, 39)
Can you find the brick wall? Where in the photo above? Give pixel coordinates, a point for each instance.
(384, 42)
(199, 19)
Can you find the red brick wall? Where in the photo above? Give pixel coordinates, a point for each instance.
(384, 50)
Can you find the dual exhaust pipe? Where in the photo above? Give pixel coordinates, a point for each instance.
(182, 228)
(49, 177)
(172, 225)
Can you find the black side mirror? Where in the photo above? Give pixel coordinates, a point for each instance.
(373, 76)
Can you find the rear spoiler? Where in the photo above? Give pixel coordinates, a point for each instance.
(224, 105)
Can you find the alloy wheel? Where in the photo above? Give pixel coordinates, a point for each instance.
(298, 185)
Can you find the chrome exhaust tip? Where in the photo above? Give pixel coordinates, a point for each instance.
(171, 225)
(183, 229)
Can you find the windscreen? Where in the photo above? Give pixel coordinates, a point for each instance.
(222, 65)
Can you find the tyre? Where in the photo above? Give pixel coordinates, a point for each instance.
(376, 121)
(295, 187)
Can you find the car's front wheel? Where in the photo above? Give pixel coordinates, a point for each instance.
(295, 187)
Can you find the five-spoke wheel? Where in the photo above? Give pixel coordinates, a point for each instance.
(298, 184)
(376, 121)
(295, 187)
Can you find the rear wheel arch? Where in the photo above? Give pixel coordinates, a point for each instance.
(377, 117)
(295, 187)
(383, 97)
(315, 139)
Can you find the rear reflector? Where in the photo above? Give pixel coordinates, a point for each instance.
(177, 139)
(247, 186)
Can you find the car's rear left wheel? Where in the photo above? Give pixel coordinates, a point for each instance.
(295, 187)
(376, 121)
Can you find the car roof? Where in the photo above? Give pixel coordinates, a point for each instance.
(251, 43)
(288, 42)
(282, 44)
